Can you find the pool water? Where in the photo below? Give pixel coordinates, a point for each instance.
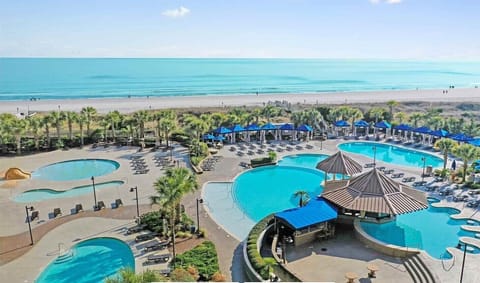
(46, 194)
(392, 154)
(265, 190)
(90, 261)
(431, 230)
(76, 169)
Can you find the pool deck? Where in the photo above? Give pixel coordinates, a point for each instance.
(68, 228)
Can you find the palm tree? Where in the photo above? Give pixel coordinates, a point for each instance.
(82, 120)
(304, 197)
(446, 146)
(415, 118)
(141, 117)
(377, 112)
(104, 124)
(170, 190)
(165, 123)
(467, 153)
(113, 118)
(400, 117)
(270, 111)
(34, 124)
(70, 117)
(354, 114)
(89, 113)
(391, 104)
(57, 119)
(18, 129)
(127, 275)
(47, 119)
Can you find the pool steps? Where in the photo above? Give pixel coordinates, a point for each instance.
(64, 255)
(418, 270)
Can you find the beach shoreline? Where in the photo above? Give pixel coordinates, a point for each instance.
(128, 105)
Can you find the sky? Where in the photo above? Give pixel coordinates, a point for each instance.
(364, 29)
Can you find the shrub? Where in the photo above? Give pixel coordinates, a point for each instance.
(179, 274)
(218, 277)
(253, 255)
(203, 257)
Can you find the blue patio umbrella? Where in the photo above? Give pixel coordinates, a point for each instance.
(219, 138)
(475, 142)
(403, 127)
(461, 137)
(383, 125)
(422, 130)
(287, 127)
(361, 124)
(208, 137)
(237, 128)
(252, 127)
(440, 133)
(304, 128)
(222, 131)
(341, 124)
(268, 127)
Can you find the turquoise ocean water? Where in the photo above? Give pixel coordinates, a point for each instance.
(57, 78)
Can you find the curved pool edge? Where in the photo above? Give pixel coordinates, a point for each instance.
(34, 174)
(74, 244)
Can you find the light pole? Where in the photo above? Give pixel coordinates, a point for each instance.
(374, 148)
(459, 246)
(424, 159)
(94, 194)
(199, 200)
(29, 208)
(136, 198)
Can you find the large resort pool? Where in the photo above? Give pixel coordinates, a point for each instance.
(76, 169)
(259, 192)
(392, 154)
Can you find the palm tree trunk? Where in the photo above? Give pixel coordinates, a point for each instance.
(70, 130)
(58, 131)
(81, 135)
(47, 133)
(172, 221)
(465, 166)
(19, 144)
(445, 157)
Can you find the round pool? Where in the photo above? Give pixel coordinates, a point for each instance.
(90, 261)
(432, 230)
(265, 190)
(392, 154)
(46, 194)
(77, 169)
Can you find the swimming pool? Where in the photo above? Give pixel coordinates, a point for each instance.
(77, 169)
(432, 230)
(392, 154)
(46, 194)
(90, 261)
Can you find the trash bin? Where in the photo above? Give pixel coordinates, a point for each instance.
(193, 229)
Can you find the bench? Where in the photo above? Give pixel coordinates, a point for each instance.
(158, 258)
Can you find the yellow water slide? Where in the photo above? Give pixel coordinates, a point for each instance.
(16, 174)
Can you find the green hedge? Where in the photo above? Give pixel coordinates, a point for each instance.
(253, 255)
(203, 257)
(256, 162)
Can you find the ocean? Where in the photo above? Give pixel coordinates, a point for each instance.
(70, 78)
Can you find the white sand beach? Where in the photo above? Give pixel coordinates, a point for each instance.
(127, 105)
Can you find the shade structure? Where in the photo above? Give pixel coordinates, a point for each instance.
(304, 128)
(287, 127)
(422, 130)
(475, 142)
(339, 163)
(461, 137)
(403, 127)
(237, 128)
(222, 131)
(441, 133)
(316, 211)
(361, 124)
(208, 137)
(219, 138)
(342, 124)
(268, 127)
(383, 125)
(252, 127)
(375, 192)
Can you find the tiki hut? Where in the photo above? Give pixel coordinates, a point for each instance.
(373, 195)
(339, 163)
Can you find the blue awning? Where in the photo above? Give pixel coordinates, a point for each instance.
(342, 123)
(403, 127)
(422, 130)
(237, 128)
(253, 127)
(475, 142)
(222, 130)
(461, 137)
(287, 127)
(439, 133)
(208, 137)
(383, 125)
(269, 127)
(316, 211)
(361, 124)
(304, 128)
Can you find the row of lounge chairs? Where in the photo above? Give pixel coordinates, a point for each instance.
(57, 212)
(138, 164)
(162, 161)
(209, 163)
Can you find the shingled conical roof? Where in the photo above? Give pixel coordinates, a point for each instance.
(339, 163)
(373, 191)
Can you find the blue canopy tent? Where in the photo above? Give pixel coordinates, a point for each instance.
(475, 142)
(341, 124)
(208, 137)
(404, 128)
(424, 130)
(222, 131)
(382, 125)
(287, 127)
(361, 124)
(441, 133)
(251, 128)
(236, 129)
(268, 127)
(219, 138)
(306, 129)
(461, 137)
(313, 216)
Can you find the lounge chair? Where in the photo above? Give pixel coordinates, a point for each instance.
(146, 237)
(78, 208)
(100, 205)
(156, 245)
(158, 258)
(389, 171)
(419, 183)
(369, 165)
(408, 179)
(118, 203)
(34, 215)
(398, 175)
(136, 229)
(381, 168)
(57, 212)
